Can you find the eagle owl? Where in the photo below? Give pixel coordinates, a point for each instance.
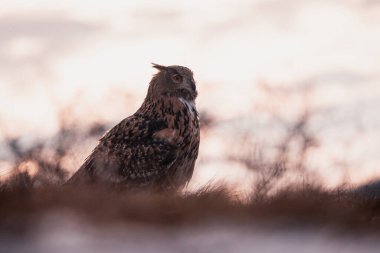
(156, 147)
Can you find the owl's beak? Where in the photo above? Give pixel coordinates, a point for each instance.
(192, 85)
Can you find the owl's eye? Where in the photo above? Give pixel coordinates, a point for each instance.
(177, 78)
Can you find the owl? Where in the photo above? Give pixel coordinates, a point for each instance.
(155, 148)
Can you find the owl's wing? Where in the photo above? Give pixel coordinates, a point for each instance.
(137, 149)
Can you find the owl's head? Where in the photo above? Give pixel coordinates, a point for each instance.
(174, 81)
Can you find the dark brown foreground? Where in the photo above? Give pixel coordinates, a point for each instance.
(20, 206)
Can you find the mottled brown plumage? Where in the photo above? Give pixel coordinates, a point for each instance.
(156, 147)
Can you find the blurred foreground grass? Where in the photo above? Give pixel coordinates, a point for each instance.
(298, 206)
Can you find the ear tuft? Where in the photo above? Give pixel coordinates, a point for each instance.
(159, 67)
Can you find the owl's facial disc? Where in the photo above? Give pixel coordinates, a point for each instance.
(178, 79)
(183, 82)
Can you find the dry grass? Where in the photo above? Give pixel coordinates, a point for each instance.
(20, 206)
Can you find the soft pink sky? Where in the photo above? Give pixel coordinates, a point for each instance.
(54, 51)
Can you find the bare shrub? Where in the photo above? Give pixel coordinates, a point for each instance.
(42, 163)
(287, 157)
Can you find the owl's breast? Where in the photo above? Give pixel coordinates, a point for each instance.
(182, 121)
(190, 122)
